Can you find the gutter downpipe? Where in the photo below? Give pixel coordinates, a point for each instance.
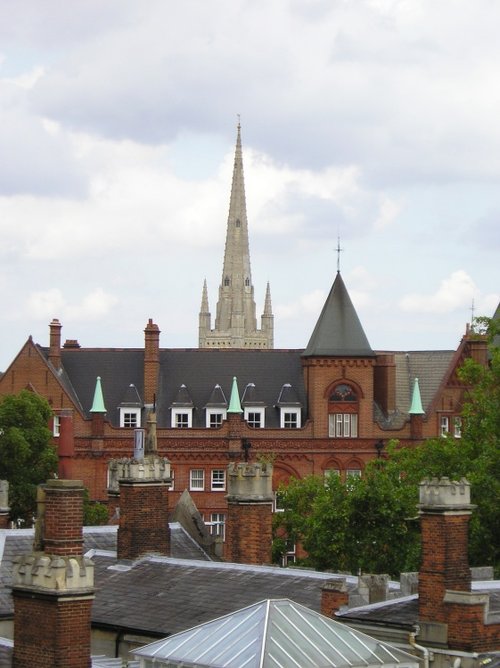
(420, 648)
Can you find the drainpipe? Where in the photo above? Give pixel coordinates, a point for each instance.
(420, 648)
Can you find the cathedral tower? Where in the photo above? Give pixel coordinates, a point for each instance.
(235, 320)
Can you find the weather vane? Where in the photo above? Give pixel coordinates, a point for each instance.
(339, 251)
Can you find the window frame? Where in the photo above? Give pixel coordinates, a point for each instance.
(218, 485)
(56, 426)
(177, 413)
(217, 525)
(289, 411)
(257, 410)
(343, 425)
(444, 425)
(136, 412)
(193, 479)
(215, 412)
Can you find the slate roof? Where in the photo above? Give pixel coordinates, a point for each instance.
(161, 595)
(274, 633)
(403, 612)
(338, 332)
(20, 541)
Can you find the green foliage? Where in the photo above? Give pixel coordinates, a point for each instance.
(27, 457)
(353, 525)
(370, 523)
(94, 513)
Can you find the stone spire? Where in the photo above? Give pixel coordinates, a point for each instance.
(235, 321)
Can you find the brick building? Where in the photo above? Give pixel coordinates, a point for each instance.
(331, 406)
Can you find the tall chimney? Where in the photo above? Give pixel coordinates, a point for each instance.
(55, 343)
(65, 445)
(53, 590)
(143, 486)
(249, 514)
(151, 362)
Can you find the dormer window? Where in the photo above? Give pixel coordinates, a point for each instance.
(181, 416)
(343, 412)
(290, 408)
(130, 417)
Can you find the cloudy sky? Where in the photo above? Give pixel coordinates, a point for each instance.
(373, 120)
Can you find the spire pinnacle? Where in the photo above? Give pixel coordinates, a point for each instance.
(98, 402)
(234, 401)
(268, 310)
(416, 401)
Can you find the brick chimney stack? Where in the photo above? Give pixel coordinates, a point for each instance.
(53, 589)
(65, 445)
(449, 612)
(55, 343)
(151, 362)
(143, 500)
(4, 504)
(249, 519)
(334, 595)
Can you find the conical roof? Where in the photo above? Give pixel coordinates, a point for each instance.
(183, 398)
(338, 332)
(217, 398)
(274, 633)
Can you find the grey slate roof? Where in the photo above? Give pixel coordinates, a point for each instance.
(20, 541)
(338, 332)
(161, 595)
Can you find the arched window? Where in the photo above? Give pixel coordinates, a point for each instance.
(247, 281)
(227, 281)
(343, 405)
(238, 222)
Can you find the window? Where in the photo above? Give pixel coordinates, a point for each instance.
(279, 502)
(171, 484)
(56, 425)
(130, 418)
(343, 412)
(343, 425)
(197, 480)
(444, 425)
(255, 417)
(457, 427)
(289, 556)
(227, 281)
(182, 418)
(353, 473)
(218, 480)
(217, 525)
(290, 418)
(215, 418)
(328, 473)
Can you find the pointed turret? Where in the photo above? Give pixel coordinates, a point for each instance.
(235, 320)
(338, 331)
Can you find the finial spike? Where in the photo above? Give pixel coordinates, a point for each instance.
(339, 250)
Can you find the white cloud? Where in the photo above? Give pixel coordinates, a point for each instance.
(43, 305)
(305, 306)
(456, 291)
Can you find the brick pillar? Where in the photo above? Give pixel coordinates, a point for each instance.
(445, 511)
(249, 517)
(4, 504)
(151, 361)
(66, 445)
(55, 343)
(334, 595)
(53, 590)
(416, 427)
(143, 525)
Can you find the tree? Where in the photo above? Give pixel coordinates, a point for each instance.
(367, 523)
(27, 457)
(352, 525)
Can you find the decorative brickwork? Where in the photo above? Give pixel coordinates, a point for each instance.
(249, 518)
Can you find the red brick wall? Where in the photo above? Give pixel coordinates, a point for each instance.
(63, 518)
(50, 632)
(249, 533)
(143, 526)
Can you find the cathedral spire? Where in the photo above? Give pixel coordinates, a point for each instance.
(235, 320)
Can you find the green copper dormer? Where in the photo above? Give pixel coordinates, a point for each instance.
(234, 401)
(98, 402)
(416, 401)
(338, 331)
